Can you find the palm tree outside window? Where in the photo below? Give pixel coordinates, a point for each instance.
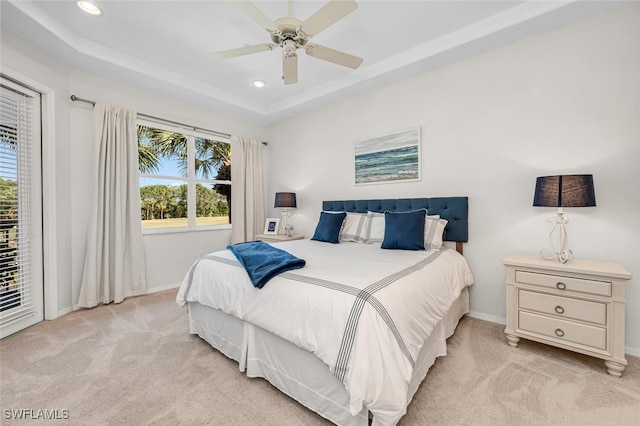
(185, 178)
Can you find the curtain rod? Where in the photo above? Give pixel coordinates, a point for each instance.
(74, 98)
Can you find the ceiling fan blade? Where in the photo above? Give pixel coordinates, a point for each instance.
(247, 50)
(290, 69)
(254, 13)
(327, 15)
(335, 56)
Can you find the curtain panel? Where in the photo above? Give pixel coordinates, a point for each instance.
(247, 194)
(114, 260)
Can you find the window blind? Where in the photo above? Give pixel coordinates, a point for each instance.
(16, 139)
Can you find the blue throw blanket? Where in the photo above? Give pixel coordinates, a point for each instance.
(263, 261)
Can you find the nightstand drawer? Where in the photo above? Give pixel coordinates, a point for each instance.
(563, 307)
(581, 285)
(563, 330)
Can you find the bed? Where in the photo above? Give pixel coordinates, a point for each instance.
(352, 334)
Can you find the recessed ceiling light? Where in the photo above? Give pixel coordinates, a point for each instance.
(259, 83)
(89, 7)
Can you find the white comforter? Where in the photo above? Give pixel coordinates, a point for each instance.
(362, 310)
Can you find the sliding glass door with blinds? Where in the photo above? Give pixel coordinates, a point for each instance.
(21, 270)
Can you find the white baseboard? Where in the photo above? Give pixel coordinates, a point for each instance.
(486, 317)
(149, 291)
(163, 288)
(632, 351)
(64, 311)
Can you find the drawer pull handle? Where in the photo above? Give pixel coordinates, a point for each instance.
(561, 285)
(559, 309)
(559, 332)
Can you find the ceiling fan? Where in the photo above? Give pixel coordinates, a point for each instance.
(292, 34)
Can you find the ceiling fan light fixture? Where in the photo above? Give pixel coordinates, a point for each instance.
(259, 83)
(289, 47)
(89, 7)
(292, 34)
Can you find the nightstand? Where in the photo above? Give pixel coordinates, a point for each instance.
(274, 238)
(578, 306)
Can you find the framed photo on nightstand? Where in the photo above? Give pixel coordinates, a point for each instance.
(271, 226)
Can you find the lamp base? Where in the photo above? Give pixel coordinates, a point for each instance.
(563, 256)
(285, 225)
(557, 240)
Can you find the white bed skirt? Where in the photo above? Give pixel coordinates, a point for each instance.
(299, 373)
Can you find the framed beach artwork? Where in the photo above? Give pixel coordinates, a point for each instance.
(392, 157)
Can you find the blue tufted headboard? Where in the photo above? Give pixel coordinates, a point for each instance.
(454, 209)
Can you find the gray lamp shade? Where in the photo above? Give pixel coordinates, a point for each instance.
(564, 191)
(285, 200)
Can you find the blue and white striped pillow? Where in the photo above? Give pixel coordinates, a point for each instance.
(433, 231)
(355, 228)
(375, 228)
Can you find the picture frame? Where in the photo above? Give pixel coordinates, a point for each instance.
(271, 226)
(388, 158)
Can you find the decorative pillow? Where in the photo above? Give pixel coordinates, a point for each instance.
(355, 227)
(329, 226)
(433, 231)
(375, 228)
(404, 230)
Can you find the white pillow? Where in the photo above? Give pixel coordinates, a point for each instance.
(375, 233)
(433, 231)
(355, 227)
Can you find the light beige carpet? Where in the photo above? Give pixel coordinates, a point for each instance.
(135, 364)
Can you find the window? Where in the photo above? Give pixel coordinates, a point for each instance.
(185, 177)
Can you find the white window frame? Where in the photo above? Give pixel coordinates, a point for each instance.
(191, 179)
(29, 226)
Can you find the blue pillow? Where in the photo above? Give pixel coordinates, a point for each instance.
(329, 226)
(404, 230)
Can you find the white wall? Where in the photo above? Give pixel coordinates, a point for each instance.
(563, 102)
(167, 256)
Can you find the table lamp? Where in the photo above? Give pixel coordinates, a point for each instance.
(562, 191)
(284, 201)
